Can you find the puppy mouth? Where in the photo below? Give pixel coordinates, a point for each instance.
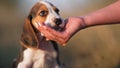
(56, 27)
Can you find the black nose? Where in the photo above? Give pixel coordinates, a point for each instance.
(58, 21)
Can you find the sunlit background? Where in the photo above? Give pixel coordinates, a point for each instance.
(94, 47)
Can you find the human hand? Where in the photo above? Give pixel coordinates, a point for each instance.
(73, 25)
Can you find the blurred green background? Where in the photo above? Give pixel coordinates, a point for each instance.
(94, 47)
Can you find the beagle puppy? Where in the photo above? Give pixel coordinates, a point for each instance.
(36, 52)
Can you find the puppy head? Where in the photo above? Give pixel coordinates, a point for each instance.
(42, 12)
(48, 14)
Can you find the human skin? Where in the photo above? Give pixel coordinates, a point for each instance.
(107, 15)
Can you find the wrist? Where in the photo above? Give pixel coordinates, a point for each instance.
(82, 23)
(86, 21)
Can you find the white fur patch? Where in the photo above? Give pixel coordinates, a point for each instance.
(52, 15)
(30, 56)
(38, 59)
(27, 60)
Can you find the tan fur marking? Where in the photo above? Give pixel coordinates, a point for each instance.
(40, 18)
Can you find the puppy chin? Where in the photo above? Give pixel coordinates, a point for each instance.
(56, 27)
(62, 26)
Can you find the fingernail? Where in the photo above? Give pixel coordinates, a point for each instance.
(39, 24)
(47, 39)
(64, 44)
(44, 27)
(36, 25)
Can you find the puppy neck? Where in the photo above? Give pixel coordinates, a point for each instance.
(44, 44)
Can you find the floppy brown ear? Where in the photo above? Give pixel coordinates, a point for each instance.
(29, 37)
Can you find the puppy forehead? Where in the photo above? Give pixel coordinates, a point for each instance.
(43, 7)
(48, 4)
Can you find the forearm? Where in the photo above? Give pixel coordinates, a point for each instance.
(107, 15)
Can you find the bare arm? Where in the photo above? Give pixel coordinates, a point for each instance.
(107, 15)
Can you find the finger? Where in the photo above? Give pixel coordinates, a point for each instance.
(47, 39)
(46, 33)
(64, 44)
(50, 36)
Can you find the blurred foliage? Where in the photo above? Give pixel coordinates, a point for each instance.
(94, 47)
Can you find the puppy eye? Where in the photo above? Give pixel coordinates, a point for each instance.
(43, 13)
(57, 11)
